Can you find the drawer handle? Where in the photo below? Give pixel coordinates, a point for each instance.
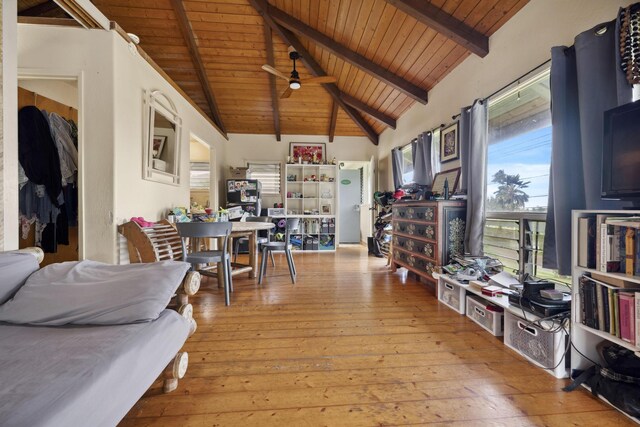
(448, 286)
(528, 329)
(480, 312)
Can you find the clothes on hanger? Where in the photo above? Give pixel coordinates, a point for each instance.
(67, 151)
(37, 151)
(48, 197)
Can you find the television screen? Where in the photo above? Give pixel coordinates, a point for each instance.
(621, 152)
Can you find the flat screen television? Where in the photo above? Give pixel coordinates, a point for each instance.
(621, 153)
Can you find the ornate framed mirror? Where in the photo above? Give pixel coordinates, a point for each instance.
(162, 142)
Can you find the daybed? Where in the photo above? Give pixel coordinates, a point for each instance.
(75, 374)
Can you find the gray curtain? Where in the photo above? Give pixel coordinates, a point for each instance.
(396, 166)
(585, 82)
(421, 152)
(473, 130)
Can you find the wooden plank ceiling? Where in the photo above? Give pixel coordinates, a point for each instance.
(222, 44)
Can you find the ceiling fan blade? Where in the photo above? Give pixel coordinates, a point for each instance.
(287, 93)
(321, 79)
(270, 69)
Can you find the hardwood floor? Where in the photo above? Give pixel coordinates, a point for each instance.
(351, 344)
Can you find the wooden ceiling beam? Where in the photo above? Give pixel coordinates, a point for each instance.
(275, 101)
(40, 9)
(364, 108)
(314, 68)
(445, 24)
(190, 40)
(346, 54)
(332, 121)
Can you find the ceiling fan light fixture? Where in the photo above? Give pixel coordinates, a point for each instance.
(294, 84)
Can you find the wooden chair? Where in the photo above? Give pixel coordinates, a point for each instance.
(292, 224)
(237, 242)
(196, 257)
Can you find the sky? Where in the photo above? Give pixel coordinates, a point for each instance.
(527, 154)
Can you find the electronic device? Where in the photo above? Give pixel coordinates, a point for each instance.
(621, 153)
(531, 300)
(552, 294)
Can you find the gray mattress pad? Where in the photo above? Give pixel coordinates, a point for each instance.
(82, 375)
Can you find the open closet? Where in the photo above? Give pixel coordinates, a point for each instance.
(48, 169)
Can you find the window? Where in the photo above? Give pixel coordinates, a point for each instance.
(520, 146)
(268, 174)
(407, 164)
(200, 175)
(518, 162)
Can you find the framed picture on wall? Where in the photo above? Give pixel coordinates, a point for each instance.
(451, 176)
(158, 145)
(305, 152)
(449, 143)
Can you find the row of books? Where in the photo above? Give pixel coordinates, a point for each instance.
(609, 243)
(610, 309)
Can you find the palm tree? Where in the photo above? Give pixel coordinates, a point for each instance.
(509, 195)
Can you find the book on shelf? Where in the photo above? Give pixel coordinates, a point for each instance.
(627, 316)
(611, 309)
(587, 242)
(610, 244)
(637, 317)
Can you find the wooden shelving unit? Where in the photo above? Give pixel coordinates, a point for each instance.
(311, 194)
(584, 338)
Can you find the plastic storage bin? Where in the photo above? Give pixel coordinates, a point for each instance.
(543, 348)
(491, 320)
(452, 295)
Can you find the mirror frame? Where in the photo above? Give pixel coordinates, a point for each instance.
(156, 101)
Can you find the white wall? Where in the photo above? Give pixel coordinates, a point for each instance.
(133, 74)
(44, 50)
(112, 80)
(518, 47)
(9, 130)
(244, 148)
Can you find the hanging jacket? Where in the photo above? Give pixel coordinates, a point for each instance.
(61, 133)
(37, 152)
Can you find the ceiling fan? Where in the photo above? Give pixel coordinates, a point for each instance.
(294, 80)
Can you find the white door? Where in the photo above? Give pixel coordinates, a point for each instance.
(349, 206)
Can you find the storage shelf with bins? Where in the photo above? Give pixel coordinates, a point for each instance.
(585, 338)
(311, 195)
(541, 347)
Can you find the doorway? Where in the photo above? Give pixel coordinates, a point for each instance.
(201, 177)
(350, 182)
(49, 122)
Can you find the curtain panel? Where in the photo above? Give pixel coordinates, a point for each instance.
(421, 152)
(396, 167)
(585, 81)
(474, 129)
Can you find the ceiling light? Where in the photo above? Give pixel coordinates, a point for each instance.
(294, 84)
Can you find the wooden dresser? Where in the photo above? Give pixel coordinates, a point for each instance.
(426, 234)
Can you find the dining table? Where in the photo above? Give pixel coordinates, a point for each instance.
(249, 230)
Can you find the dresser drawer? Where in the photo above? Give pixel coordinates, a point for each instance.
(424, 231)
(400, 212)
(427, 249)
(423, 213)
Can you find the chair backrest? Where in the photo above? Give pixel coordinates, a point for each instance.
(204, 229)
(292, 224)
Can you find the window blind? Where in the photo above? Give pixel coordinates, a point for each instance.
(268, 174)
(199, 175)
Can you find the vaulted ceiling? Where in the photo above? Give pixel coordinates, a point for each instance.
(385, 54)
